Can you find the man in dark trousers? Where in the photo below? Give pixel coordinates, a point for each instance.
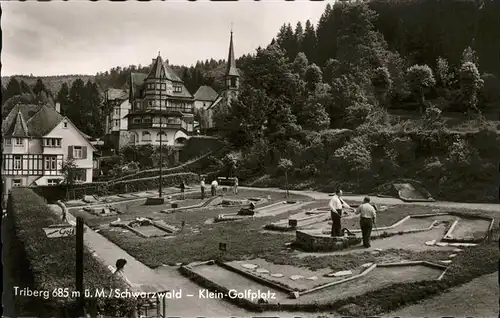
(336, 204)
(367, 217)
(183, 189)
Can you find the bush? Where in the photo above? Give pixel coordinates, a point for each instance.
(40, 263)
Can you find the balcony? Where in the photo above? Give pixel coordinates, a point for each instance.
(153, 125)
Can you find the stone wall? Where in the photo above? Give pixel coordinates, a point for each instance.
(317, 242)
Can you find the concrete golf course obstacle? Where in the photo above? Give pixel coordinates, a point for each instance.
(212, 201)
(146, 227)
(263, 211)
(277, 287)
(464, 229)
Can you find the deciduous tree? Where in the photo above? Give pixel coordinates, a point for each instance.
(419, 79)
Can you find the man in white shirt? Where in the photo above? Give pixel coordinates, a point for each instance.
(367, 217)
(336, 204)
(214, 186)
(202, 188)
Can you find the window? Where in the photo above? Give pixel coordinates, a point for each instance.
(65, 124)
(80, 175)
(51, 163)
(77, 152)
(161, 136)
(8, 141)
(177, 89)
(146, 136)
(17, 162)
(52, 182)
(117, 111)
(137, 120)
(233, 82)
(52, 142)
(117, 122)
(17, 183)
(158, 85)
(146, 120)
(18, 141)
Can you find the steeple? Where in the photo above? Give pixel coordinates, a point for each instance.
(157, 70)
(231, 62)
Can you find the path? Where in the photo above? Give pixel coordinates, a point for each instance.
(478, 298)
(166, 278)
(389, 201)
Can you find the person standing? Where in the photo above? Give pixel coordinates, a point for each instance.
(202, 188)
(183, 190)
(336, 204)
(214, 186)
(367, 217)
(235, 185)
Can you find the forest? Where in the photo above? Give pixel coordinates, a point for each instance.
(322, 97)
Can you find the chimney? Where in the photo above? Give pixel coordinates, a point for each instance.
(153, 62)
(58, 107)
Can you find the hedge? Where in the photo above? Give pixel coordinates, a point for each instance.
(39, 263)
(60, 192)
(197, 165)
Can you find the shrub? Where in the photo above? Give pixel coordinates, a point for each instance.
(45, 264)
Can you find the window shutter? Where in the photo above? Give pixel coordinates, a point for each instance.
(84, 152)
(70, 152)
(84, 174)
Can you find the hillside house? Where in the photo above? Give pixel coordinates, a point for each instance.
(36, 141)
(162, 107)
(117, 103)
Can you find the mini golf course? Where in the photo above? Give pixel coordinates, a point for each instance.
(264, 211)
(299, 289)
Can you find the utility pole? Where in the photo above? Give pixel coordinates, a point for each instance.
(79, 265)
(160, 183)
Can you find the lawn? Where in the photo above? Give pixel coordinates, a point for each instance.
(246, 241)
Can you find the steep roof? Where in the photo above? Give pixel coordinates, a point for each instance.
(26, 110)
(117, 93)
(231, 61)
(136, 81)
(44, 121)
(171, 74)
(205, 93)
(18, 127)
(157, 70)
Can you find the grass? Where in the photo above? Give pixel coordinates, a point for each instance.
(465, 267)
(245, 240)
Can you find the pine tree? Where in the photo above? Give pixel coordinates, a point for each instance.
(39, 87)
(13, 88)
(308, 44)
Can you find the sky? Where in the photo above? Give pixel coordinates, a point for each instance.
(81, 37)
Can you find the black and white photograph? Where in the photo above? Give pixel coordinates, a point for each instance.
(250, 159)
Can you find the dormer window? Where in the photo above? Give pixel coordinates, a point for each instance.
(233, 82)
(52, 142)
(18, 141)
(177, 89)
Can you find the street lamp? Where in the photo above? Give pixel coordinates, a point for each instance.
(160, 183)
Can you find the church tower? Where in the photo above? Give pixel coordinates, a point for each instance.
(232, 76)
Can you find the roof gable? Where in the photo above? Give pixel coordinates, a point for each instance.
(84, 136)
(205, 93)
(18, 127)
(157, 69)
(171, 74)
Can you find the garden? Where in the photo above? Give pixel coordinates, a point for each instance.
(257, 257)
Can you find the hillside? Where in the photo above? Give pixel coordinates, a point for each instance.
(52, 83)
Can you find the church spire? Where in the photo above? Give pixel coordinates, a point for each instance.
(231, 62)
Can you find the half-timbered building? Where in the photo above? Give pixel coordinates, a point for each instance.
(37, 140)
(162, 107)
